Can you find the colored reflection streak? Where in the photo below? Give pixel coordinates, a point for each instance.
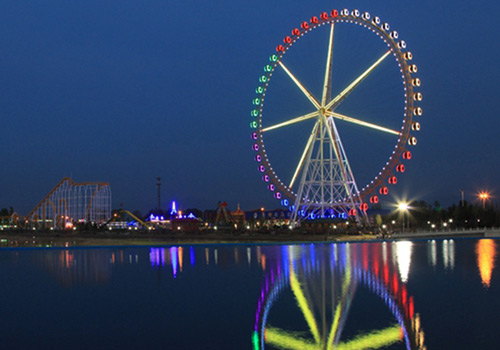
(486, 254)
(323, 281)
(173, 256)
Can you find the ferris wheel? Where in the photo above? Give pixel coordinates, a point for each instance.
(311, 173)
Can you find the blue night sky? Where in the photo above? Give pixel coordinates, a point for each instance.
(126, 91)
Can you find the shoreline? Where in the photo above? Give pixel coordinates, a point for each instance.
(94, 239)
(65, 239)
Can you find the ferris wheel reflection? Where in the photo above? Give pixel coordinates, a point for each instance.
(323, 281)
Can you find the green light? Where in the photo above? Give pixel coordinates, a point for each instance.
(255, 113)
(253, 125)
(268, 68)
(255, 341)
(259, 90)
(256, 101)
(273, 58)
(263, 79)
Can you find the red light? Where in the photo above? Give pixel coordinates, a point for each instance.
(334, 13)
(296, 31)
(314, 20)
(374, 199)
(363, 206)
(407, 155)
(280, 48)
(395, 284)
(324, 15)
(393, 180)
(304, 25)
(384, 190)
(400, 168)
(352, 212)
(287, 40)
(412, 307)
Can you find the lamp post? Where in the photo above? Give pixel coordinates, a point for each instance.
(484, 196)
(403, 208)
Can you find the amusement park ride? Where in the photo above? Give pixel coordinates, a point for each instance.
(322, 184)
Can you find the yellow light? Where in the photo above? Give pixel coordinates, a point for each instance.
(484, 195)
(403, 206)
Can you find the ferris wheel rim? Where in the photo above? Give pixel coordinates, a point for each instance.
(396, 49)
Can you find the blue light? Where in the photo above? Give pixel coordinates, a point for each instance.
(174, 208)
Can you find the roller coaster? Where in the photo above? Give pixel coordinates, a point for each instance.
(69, 203)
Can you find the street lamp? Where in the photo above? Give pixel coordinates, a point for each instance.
(483, 196)
(403, 207)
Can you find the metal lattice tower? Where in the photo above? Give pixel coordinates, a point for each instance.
(327, 187)
(71, 202)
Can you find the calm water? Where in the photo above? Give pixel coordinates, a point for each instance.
(397, 295)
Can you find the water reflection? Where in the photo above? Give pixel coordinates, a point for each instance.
(403, 258)
(486, 254)
(82, 266)
(432, 252)
(449, 253)
(324, 280)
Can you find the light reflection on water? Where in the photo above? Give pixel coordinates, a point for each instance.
(311, 296)
(486, 254)
(323, 281)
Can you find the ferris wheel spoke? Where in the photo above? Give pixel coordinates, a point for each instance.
(362, 123)
(292, 121)
(300, 86)
(340, 97)
(328, 69)
(304, 154)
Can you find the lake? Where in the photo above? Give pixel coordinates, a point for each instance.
(426, 294)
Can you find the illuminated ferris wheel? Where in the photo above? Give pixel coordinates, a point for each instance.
(366, 91)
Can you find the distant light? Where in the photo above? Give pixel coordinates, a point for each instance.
(174, 208)
(484, 195)
(403, 206)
